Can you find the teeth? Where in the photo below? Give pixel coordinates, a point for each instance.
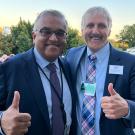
(96, 38)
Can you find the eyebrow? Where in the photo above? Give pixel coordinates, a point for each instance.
(47, 28)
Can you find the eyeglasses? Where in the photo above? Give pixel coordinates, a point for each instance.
(45, 32)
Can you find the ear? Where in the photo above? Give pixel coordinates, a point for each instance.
(33, 36)
(109, 32)
(82, 32)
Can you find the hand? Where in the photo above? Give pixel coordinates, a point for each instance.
(5, 57)
(13, 122)
(114, 106)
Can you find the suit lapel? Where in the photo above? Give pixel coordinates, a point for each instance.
(114, 59)
(35, 85)
(65, 71)
(77, 59)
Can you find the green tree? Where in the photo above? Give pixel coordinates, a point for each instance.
(6, 44)
(73, 39)
(127, 34)
(21, 36)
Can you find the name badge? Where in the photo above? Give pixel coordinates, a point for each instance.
(116, 69)
(89, 89)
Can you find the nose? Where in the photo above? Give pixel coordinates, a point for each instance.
(95, 29)
(53, 37)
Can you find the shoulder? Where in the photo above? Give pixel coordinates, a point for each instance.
(75, 52)
(75, 49)
(124, 55)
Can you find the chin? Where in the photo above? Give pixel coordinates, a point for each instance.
(51, 56)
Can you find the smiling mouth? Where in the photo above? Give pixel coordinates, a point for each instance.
(54, 45)
(95, 37)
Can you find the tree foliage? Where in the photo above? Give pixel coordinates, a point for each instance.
(74, 39)
(128, 35)
(21, 36)
(6, 44)
(19, 40)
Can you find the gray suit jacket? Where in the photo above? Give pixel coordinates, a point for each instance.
(123, 84)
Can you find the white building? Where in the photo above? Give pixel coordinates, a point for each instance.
(6, 30)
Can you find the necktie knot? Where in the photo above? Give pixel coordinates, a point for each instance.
(52, 67)
(93, 58)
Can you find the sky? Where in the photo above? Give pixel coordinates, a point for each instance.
(121, 11)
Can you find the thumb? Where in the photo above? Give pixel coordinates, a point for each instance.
(112, 92)
(16, 100)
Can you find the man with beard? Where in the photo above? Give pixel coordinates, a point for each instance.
(104, 79)
(36, 97)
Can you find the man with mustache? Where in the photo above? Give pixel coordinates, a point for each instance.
(104, 79)
(36, 96)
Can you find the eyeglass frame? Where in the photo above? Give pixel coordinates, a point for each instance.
(41, 31)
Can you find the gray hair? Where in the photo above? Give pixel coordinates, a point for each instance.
(94, 11)
(51, 12)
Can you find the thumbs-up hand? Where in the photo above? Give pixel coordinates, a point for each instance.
(13, 122)
(114, 106)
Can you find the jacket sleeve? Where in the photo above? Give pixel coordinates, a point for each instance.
(3, 94)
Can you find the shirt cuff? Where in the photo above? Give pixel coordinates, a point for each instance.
(1, 131)
(128, 115)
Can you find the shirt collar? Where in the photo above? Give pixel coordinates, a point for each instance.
(102, 53)
(42, 61)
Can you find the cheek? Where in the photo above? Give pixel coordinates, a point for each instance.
(86, 36)
(40, 44)
(105, 35)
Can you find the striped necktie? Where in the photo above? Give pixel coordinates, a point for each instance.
(57, 116)
(88, 108)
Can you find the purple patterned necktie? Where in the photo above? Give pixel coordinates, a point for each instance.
(88, 108)
(57, 117)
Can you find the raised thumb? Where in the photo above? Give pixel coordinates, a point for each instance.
(16, 100)
(112, 92)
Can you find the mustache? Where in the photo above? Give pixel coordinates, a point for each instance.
(95, 36)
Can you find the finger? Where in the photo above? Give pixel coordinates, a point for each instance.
(21, 131)
(24, 131)
(106, 111)
(112, 92)
(16, 100)
(110, 116)
(11, 54)
(105, 99)
(105, 105)
(24, 117)
(22, 125)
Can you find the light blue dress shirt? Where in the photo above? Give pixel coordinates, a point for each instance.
(47, 89)
(101, 69)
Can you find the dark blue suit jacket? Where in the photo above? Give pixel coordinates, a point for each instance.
(21, 73)
(123, 84)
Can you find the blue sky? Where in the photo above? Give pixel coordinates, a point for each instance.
(122, 11)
